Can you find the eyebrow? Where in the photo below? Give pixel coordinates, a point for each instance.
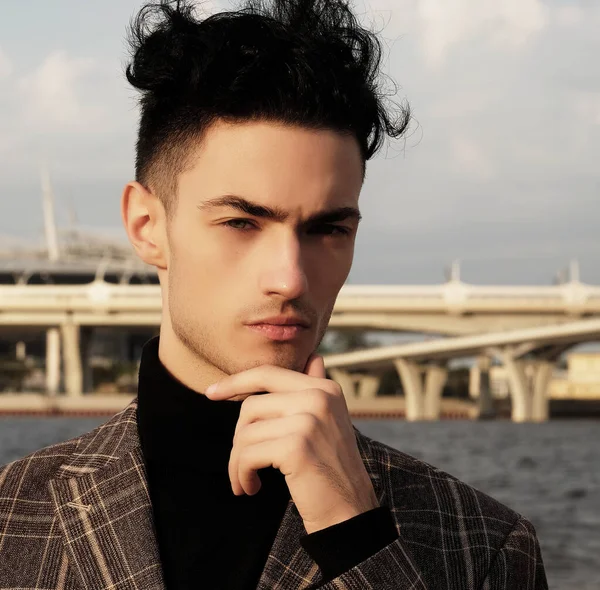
(276, 213)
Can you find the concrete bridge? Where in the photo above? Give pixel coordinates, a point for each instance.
(525, 327)
(451, 308)
(529, 356)
(511, 323)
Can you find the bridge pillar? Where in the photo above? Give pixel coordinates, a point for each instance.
(529, 392)
(52, 361)
(357, 385)
(410, 376)
(86, 334)
(345, 380)
(72, 358)
(368, 385)
(485, 401)
(541, 383)
(519, 390)
(21, 350)
(423, 400)
(435, 379)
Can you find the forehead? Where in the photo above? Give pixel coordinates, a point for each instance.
(274, 163)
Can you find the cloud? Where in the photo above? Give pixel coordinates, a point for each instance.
(208, 6)
(501, 171)
(5, 65)
(77, 114)
(587, 105)
(50, 99)
(568, 16)
(507, 24)
(470, 160)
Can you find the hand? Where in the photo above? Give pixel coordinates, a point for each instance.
(301, 426)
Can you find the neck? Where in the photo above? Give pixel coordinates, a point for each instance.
(184, 365)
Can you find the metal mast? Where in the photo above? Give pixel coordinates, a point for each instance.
(49, 221)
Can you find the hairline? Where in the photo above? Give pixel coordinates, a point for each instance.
(159, 187)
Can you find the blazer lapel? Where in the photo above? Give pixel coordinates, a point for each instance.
(288, 566)
(101, 498)
(104, 511)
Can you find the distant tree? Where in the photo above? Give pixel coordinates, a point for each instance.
(390, 382)
(457, 384)
(350, 339)
(324, 348)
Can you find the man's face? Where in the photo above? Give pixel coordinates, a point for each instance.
(228, 268)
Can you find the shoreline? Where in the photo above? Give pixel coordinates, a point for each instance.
(378, 408)
(35, 404)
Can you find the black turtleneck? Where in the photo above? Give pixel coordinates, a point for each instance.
(205, 533)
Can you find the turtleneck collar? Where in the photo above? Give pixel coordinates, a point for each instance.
(178, 425)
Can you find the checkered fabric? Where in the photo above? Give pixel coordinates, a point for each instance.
(77, 515)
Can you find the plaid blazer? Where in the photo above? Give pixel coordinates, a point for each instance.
(77, 515)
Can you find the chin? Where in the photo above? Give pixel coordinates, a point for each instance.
(285, 357)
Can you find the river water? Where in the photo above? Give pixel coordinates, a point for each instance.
(548, 472)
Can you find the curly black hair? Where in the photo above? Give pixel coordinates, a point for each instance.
(303, 63)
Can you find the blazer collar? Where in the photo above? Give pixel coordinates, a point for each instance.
(100, 494)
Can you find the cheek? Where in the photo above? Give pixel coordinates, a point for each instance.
(329, 268)
(205, 251)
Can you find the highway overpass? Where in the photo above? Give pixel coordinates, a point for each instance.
(513, 323)
(422, 366)
(452, 308)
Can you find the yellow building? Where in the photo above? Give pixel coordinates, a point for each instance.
(581, 380)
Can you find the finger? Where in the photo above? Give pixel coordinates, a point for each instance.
(270, 453)
(259, 408)
(315, 367)
(275, 405)
(254, 433)
(256, 409)
(265, 430)
(266, 378)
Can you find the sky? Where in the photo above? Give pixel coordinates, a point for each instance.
(500, 168)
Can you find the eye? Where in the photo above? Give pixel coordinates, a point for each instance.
(329, 229)
(238, 221)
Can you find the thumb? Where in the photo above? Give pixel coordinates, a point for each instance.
(315, 366)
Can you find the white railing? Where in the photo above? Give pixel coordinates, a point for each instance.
(449, 297)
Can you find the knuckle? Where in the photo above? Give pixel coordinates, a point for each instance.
(336, 389)
(299, 444)
(247, 407)
(320, 402)
(333, 389)
(248, 402)
(240, 436)
(308, 423)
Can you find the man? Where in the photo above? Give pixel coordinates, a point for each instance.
(238, 466)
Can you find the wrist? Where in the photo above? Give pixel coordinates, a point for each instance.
(339, 517)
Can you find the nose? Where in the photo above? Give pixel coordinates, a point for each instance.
(282, 270)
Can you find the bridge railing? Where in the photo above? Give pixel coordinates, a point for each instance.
(451, 297)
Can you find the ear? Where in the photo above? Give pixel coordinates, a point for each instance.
(144, 219)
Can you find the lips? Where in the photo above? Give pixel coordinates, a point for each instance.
(281, 320)
(277, 331)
